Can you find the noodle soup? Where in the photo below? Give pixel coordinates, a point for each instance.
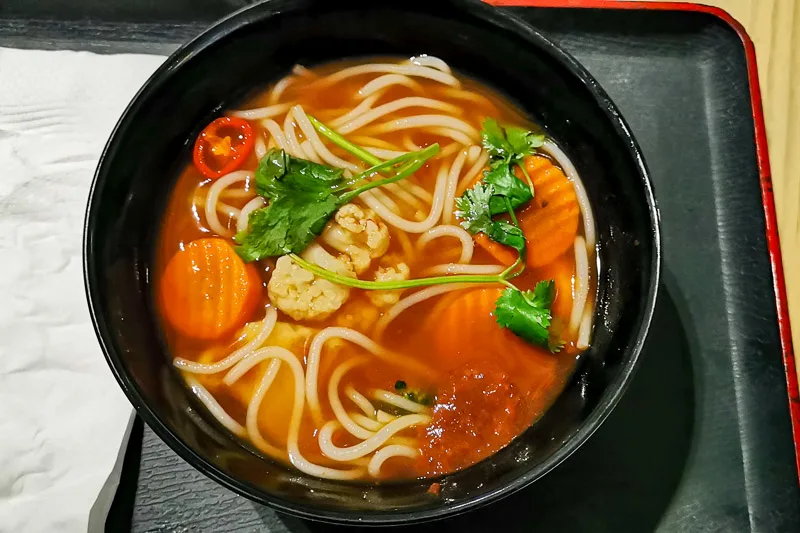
(376, 270)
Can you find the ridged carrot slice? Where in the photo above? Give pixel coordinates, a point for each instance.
(550, 221)
(207, 291)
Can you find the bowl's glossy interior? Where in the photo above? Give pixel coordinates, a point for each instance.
(259, 45)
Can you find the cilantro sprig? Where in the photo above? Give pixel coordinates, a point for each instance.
(304, 196)
(508, 147)
(527, 313)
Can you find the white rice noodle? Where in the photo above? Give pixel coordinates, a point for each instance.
(405, 243)
(316, 142)
(261, 113)
(276, 134)
(234, 193)
(300, 70)
(409, 301)
(357, 111)
(291, 138)
(583, 199)
(458, 136)
(448, 150)
(363, 140)
(455, 268)
(409, 144)
(404, 195)
(452, 183)
(387, 68)
(396, 105)
(403, 441)
(416, 190)
(244, 214)
(213, 203)
(369, 445)
(473, 154)
(387, 452)
(215, 408)
(585, 329)
(383, 153)
(446, 123)
(430, 61)
(386, 81)
(581, 290)
(295, 457)
(277, 91)
(469, 177)
(360, 400)
(336, 403)
(260, 146)
(311, 154)
(383, 417)
(444, 230)
(398, 401)
(469, 96)
(411, 226)
(366, 422)
(384, 199)
(350, 335)
(253, 431)
(270, 318)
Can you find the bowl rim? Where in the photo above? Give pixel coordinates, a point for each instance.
(502, 21)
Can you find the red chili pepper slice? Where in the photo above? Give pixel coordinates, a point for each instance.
(223, 146)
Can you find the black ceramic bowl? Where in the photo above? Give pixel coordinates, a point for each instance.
(259, 45)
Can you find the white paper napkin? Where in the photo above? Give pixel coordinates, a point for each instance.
(63, 419)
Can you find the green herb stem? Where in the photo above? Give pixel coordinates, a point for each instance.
(402, 173)
(393, 285)
(527, 177)
(343, 143)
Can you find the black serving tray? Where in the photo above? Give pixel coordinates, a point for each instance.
(702, 441)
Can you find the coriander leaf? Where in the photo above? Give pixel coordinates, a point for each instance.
(280, 174)
(506, 184)
(523, 142)
(508, 234)
(287, 225)
(494, 139)
(509, 143)
(527, 314)
(473, 208)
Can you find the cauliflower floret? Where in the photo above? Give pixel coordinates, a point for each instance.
(359, 233)
(398, 272)
(302, 295)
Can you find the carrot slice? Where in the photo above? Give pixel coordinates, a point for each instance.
(562, 270)
(466, 330)
(505, 255)
(207, 291)
(550, 222)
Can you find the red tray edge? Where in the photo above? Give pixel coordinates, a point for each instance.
(765, 174)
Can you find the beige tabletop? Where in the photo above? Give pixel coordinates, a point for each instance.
(774, 27)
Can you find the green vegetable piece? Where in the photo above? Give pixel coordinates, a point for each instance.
(287, 225)
(509, 144)
(475, 213)
(527, 314)
(400, 385)
(280, 174)
(508, 234)
(505, 184)
(473, 208)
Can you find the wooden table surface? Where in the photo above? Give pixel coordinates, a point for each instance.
(774, 27)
